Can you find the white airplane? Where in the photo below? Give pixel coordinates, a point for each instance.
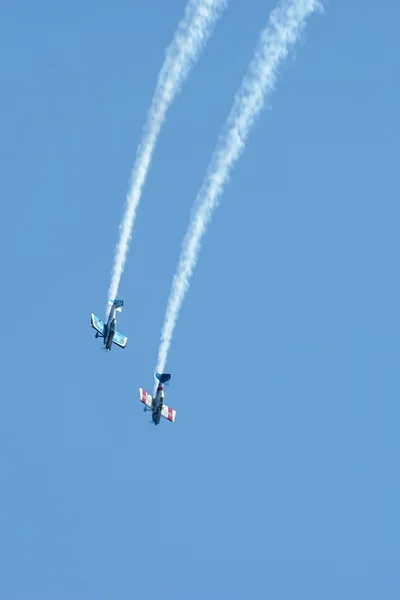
(156, 404)
(107, 330)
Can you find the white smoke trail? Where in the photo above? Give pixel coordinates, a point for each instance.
(192, 33)
(285, 25)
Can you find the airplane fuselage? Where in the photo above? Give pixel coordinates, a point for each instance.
(158, 402)
(109, 329)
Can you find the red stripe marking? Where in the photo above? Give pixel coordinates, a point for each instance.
(170, 414)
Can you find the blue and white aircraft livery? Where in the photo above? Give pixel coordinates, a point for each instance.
(156, 404)
(107, 330)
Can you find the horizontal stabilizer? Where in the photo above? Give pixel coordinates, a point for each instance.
(168, 413)
(117, 303)
(119, 339)
(146, 398)
(163, 377)
(97, 324)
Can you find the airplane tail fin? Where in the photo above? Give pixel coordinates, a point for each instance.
(163, 377)
(117, 303)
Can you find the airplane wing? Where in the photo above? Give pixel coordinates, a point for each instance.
(97, 324)
(168, 413)
(120, 339)
(146, 398)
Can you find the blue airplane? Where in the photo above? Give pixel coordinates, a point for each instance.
(156, 404)
(107, 330)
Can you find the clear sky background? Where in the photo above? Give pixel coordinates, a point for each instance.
(280, 477)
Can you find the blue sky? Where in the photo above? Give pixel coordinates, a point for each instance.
(280, 476)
